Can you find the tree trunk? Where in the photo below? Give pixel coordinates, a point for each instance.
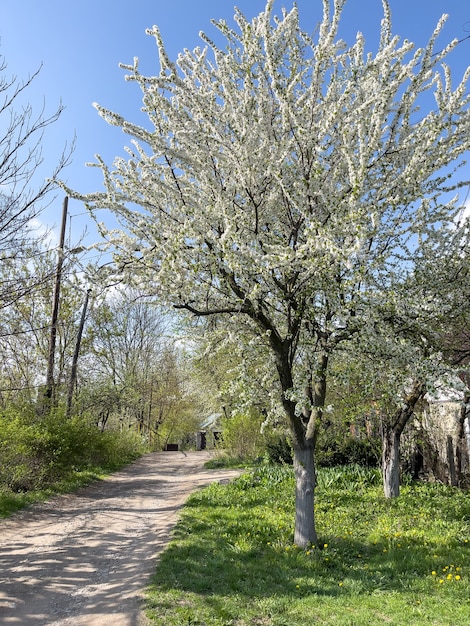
(304, 469)
(391, 463)
(303, 432)
(391, 435)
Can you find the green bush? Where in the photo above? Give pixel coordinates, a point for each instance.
(279, 450)
(242, 437)
(37, 451)
(350, 450)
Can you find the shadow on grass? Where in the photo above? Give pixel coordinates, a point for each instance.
(221, 552)
(226, 570)
(254, 572)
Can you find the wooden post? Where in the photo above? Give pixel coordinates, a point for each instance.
(73, 371)
(55, 306)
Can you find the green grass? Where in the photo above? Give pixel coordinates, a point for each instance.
(232, 561)
(12, 501)
(222, 460)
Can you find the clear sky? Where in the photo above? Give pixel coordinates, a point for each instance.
(80, 45)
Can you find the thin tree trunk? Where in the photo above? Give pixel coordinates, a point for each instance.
(391, 435)
(304, 469)
(391, 463)
(466, 427)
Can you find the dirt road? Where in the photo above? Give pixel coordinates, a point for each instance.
(83, 559)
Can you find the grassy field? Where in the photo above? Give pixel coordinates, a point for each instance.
(232, 561)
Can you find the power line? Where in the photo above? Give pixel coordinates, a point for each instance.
(23, 332)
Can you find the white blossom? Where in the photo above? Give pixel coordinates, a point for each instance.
(297, 182)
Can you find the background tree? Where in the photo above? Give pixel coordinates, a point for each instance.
(401, 366)
(23, 195)
(25, 324)
(350, 430)
(434, 296)
(231, 367)
(135, 375)
(234, 384)
(22, 192)
(287, 181)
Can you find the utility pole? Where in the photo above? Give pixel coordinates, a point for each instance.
(55, 306)
(73, 371)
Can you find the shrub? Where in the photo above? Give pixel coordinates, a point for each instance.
(36, 451)
(336, 452)
(242, 437)
(279, 450)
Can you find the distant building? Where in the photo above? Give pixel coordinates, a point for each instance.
(210, 434)
(445, 436)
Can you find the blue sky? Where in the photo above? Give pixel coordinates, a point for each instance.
(80, 45)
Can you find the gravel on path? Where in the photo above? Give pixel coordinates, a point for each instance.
(84, 559)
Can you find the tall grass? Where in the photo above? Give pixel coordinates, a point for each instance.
(232, 561)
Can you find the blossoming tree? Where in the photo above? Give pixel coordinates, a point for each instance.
(286, 180)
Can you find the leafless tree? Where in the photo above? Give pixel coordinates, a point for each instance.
(23, 192)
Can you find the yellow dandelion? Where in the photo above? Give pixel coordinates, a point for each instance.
(433, 573)
(457, 577)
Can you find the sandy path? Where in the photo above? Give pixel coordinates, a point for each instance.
(83, 559)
